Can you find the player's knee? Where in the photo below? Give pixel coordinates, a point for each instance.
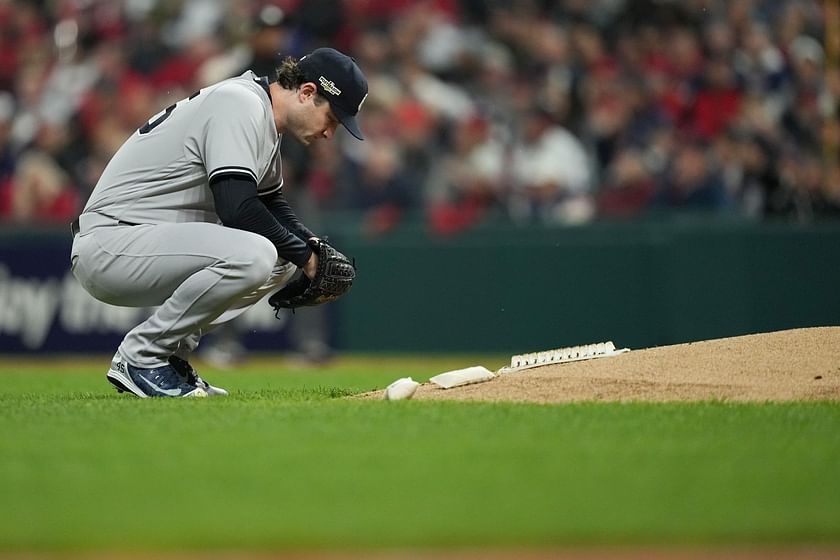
(261, 258)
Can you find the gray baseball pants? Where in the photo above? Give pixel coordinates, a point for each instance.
(199, 274)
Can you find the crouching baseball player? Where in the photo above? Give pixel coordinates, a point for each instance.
(189, 216)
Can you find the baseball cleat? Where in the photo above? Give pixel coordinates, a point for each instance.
(184, 368)
(161, 381)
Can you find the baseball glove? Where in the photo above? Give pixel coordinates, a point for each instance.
(333, 277)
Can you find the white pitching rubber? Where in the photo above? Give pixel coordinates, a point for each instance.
(563, 355)
(400, 389)
(466, 376)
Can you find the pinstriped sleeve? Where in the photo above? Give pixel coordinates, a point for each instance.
(232, 133)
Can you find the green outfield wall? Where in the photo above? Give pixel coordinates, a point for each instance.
(513, 289)
(503, 289)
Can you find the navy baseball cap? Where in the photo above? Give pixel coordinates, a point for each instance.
(340, 80)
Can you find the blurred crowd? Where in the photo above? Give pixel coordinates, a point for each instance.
(554, 112)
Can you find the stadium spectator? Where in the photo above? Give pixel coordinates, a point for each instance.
(380, 188)
(39, 190)
(468, 183)
(269, 36)
(629, 187)
(693, 181)
(551, 171)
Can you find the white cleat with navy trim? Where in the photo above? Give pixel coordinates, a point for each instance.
(163, 381)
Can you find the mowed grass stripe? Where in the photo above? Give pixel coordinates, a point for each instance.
(285, 465)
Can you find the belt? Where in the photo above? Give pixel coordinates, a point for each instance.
(75, 227)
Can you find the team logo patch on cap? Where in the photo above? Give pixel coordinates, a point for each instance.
(329, 86)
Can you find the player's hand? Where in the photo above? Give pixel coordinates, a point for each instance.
(332, 277)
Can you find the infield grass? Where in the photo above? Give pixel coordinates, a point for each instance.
(286, 463)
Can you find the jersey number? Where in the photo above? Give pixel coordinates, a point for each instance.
(160, 117)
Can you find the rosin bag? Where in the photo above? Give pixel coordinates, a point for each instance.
(401, 389)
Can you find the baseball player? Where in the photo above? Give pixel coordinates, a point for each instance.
(189, 215)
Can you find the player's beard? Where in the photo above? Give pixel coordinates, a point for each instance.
(298, 126)
(305, 139)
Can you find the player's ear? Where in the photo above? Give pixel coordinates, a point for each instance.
(307, 90)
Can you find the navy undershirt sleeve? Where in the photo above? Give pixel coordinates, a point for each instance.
(280, 209)
(239, 206)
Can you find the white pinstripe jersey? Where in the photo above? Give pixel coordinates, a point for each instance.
(161, 173)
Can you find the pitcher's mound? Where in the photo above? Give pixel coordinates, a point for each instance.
(801, 364)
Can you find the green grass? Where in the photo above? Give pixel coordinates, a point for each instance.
(284, 463)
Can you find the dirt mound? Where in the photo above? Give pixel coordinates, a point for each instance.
(801, 364)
